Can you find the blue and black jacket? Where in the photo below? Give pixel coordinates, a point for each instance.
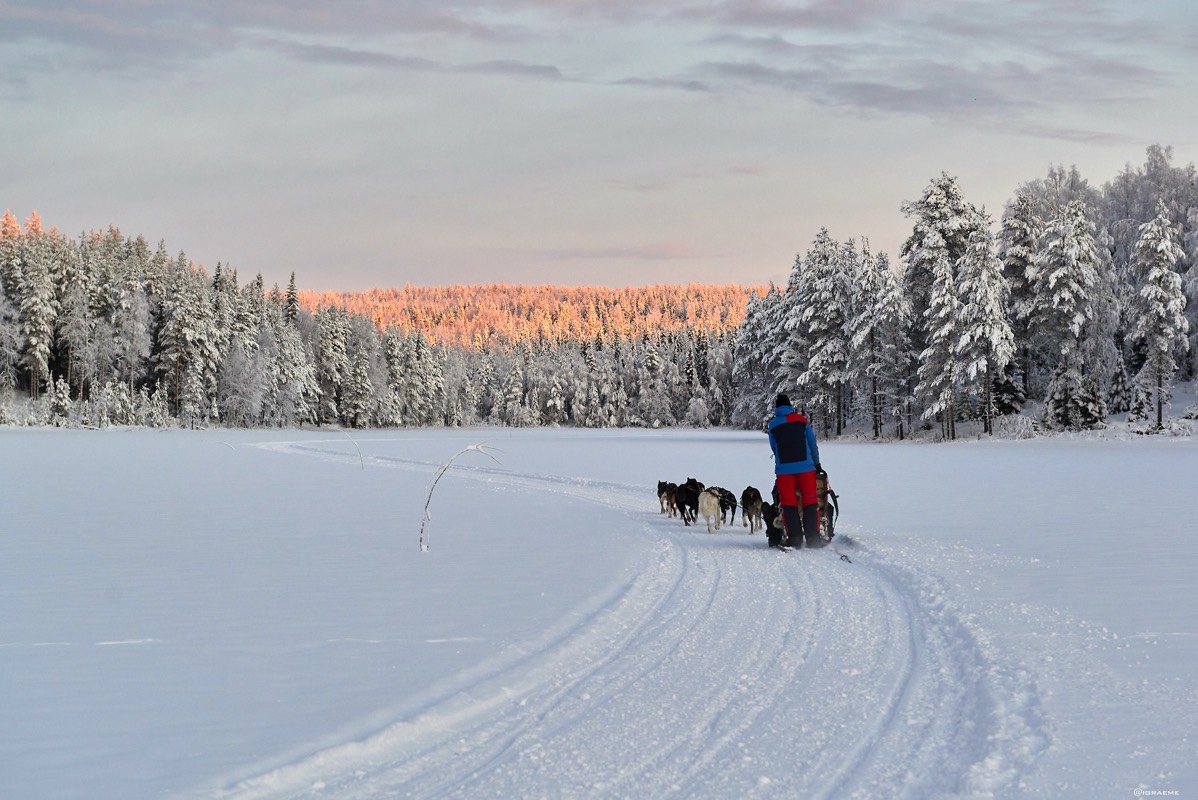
(793, 442)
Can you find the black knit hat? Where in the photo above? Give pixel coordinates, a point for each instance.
(781, 400)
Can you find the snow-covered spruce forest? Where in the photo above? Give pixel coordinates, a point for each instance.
(1078, 303)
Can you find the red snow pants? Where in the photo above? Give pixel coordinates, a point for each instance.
(792, 487)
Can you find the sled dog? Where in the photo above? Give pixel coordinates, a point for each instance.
(709, 508)
(750, 509)
(727, 504)
(687, 500)
(771, 516)
(666, 495)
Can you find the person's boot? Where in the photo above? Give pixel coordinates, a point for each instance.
(794, 528)
(811, 526)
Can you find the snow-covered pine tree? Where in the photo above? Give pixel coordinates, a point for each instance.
(11, 239)
(76, 332)
(653, 398)
(483, 384)
(254, 334)
(674, 350)
(689, 373)
(619, 403)
(1140, 406)
(156, 277)
(604, 394)
(1019, 241)
(1100, 350)
(1119, 394)
(357, 392)
(940, 368)
(60, 402)
(241, 386)
(555, 403)
(700, 351)
(826, 317)
(943, 224)
(250, 318)
(985, 343)
(268, 355)
(391, 406)
(1066, 274)
(1160, 304)
(332, 361)
(156, 411)
(194, 405)
(225, 297)
(509, 405)
(862, 346)
(1133, 198)
(170, 353)
(817, 326)
(292, 307)
(719, 370)
(426, 388)
(193, 347)
(10, 323)
(1074, 400)
(298, 391)
(789, 336)
(1092, 410)
(536, 390)
(1064, 396)
(36, 300)
(896, 369)
(10, 341)
(696, 414)
(757, 373)
(131, 337)
(588, 405)
(871, 332)
(1189, 286)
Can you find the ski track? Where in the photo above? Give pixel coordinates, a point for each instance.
(720, 669)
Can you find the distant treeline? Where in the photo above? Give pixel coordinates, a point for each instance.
(1078, 303)
(104, 329)
(503, 314)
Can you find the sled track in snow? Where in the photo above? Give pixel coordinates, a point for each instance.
(721, 669)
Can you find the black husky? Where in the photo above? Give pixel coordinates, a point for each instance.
(687, 500)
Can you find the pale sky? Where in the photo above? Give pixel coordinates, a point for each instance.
(605, 142)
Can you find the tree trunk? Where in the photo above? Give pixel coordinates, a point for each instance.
(1160, 390)
(1027, 369)
(876, 406)
(988, 404)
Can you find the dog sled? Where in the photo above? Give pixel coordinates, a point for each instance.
(827, 511)
(829, 505)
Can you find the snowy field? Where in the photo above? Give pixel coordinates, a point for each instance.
(234, 614)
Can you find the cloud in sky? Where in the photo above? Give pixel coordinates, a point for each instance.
(654, 251)
(376, 143)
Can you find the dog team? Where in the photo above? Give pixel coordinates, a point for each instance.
(799, 483)
(691, 500)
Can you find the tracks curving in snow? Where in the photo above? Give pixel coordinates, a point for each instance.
(721, 669)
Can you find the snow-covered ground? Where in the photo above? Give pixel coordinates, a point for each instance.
(247, 615)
